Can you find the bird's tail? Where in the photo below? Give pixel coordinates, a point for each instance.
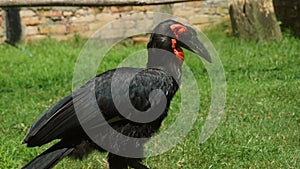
(50, 157)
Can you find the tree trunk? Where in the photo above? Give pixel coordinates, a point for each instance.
(13, 25)
(254, 19)
(288, 12)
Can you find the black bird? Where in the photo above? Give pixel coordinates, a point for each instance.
(149, 90)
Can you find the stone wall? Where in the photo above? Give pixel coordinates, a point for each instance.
(288, 13)
(203, 13)
(63, 23)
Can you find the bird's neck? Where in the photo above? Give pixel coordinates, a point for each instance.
(166, 61)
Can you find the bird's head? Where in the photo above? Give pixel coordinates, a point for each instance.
(170, 36)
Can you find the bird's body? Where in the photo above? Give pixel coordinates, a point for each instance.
(63, 122)
(61, 117)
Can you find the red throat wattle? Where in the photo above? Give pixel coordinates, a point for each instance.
(177, 50)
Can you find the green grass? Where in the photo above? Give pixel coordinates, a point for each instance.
(261, 128)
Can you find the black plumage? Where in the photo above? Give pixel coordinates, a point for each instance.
(104, 94)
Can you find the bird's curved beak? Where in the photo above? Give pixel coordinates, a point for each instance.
(196, 46)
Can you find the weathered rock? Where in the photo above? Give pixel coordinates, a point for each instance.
(252, 19)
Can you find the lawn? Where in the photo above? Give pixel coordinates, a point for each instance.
(261, 127)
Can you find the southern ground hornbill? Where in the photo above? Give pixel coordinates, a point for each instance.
(163, 73)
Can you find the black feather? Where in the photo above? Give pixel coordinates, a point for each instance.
(61, 121)
(50, 157)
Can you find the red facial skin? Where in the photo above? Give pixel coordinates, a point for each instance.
(178, 29)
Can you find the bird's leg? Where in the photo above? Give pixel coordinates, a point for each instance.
(134, 163)
(117, 162)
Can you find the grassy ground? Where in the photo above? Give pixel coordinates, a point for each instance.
(261, 128)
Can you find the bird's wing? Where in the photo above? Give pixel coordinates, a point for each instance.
(61, 120)
(42, 129)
